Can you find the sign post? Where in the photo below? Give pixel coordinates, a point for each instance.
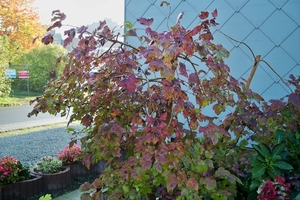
(22, 74)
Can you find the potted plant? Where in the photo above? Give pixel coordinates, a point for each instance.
(16, 181)
(56, 176)
(70, 156)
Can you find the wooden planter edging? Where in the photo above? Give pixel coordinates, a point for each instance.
(79, 169)
(56, 181)
(22, 189)
(40, 182)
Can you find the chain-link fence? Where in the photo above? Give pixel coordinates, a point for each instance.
(271, 28)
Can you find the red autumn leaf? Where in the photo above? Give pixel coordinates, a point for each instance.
(67, 41)
(157, 166)
(150, 120)
(182, 70)
(71, 33)
(172, 183)
(188, 105)
(196, 30)
(145, 22)
(215, 13)
(131, 32)
(55, 25)
(164, 116)
(167, 73)
(102, 24)
(34, 39)
(82, 29)
(55, 11)
(62, 16)
(206, 36)
(116, 128)
(192, 183)
(146, 165)
(156, 65)
(131, 83)
(97, 183)
(193, 78)
(294, 98)
(203, 15)
(85, 187)
(87, 120)
(48, 39)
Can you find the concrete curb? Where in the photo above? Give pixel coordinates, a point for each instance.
(31, 124)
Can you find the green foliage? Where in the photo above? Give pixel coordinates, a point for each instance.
(46, 197)
(269, 162)
(40, 61)
(48, 165)
(4, 59)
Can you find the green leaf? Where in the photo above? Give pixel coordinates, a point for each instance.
(265, 150)
(257, 163)
(128, 25)
(209, 182)
(260, 158)
(243, 143)
(258, 171)
(277, 150)
(280, 135)
(281, 164)
(125, 189)
(297, 197)
(257, 148)
(255, 184)
(273, 171)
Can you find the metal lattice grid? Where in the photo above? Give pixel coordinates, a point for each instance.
(271, 28)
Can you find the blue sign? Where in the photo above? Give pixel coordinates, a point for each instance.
(10, 73)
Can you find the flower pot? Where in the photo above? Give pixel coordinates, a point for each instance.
(22, 189)
(79, 169)
(56, 181)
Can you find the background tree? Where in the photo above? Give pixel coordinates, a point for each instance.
(19, 27)
(20, 23)
(154, 112)
(41, 63)
(4, 55)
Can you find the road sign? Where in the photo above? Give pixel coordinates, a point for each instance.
(10, 73)
(23, 74)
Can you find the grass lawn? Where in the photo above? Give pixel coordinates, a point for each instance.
(17, 98)
(14, 101)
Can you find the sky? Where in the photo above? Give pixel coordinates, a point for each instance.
(81, 12)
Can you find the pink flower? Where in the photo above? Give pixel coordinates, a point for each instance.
(69, 154)
(10, 168)
(276, 190)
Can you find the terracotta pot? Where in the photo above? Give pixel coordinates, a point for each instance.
(56, 181)
(79, 169)
(22, 189)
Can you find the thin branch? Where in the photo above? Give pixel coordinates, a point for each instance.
(276, 74)
(238, 42)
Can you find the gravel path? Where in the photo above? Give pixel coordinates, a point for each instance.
(29, 148)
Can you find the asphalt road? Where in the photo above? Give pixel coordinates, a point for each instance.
(18, 114)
